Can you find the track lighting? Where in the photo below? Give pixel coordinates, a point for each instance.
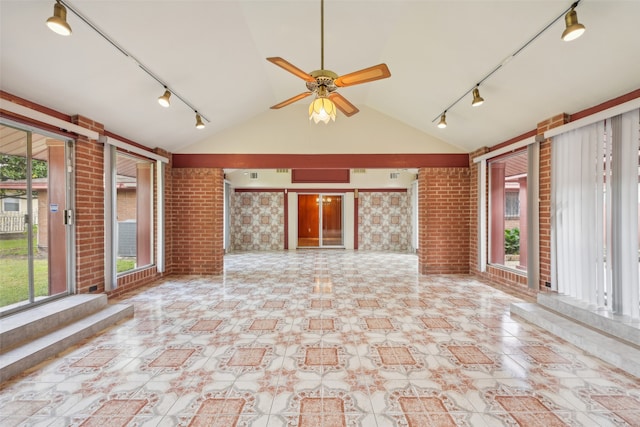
(58, 22)
(443, 121)
(199, 122)
(573, 29)
(164, 99)
(477, 99)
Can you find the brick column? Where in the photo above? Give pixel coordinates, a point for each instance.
(443, 220)
(197, 221)
(89, 216)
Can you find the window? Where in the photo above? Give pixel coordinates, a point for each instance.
(134, 212)
(508, 211)
(11, 205)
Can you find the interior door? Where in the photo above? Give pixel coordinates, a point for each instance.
(320, 220)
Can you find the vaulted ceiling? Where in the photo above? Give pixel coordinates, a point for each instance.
(213, 54)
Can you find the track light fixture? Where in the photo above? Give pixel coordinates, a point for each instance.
(572, 31)
(443, 121)
(58, 22)
(477, 99)
(164, 99)
(199, 122)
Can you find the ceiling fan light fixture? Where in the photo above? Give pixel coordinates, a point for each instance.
(164, 99)
(477, 99)
(573, 29)
(58, 22)
(322, 110)
(443, 121)
(199, 122)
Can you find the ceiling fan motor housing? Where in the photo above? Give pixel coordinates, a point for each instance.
(323, 78)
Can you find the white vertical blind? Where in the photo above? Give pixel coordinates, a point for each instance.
(595, 214)
(624, 206)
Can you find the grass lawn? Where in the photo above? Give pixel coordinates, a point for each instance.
(14, 285)
(125, 264)
(14, 278)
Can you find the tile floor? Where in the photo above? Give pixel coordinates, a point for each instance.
(322, 338)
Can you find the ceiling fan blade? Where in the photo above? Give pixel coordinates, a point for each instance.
(291, 68)
(347, 108)
(377, 72)
(291, 100)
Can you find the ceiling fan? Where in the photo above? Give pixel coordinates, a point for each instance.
(323, 83)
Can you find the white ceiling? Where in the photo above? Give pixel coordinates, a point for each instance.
(213, 54)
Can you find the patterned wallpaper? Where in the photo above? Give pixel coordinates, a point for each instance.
(385, 221)
(257, 221)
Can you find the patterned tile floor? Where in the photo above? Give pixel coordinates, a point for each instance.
(322, 338)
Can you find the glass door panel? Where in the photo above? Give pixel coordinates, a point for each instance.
(16, 237)
(331, 220)
(33, 234)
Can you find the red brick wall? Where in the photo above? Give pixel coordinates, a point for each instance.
(197, 221)
(89, 209)
(443, 224)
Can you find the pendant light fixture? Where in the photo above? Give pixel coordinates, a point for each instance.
(199, 122)
(573, 29)
(58, 22)
(322, 109)
(477, 99)
(164, 99)
(443, 121)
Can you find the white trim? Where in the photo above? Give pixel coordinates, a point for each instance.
(133, 149)
(508, 149)
(482, 217)
(45, 118)
(593, 118)
(110, 220)
(160, 217)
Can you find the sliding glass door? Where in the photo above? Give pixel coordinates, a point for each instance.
(34, 200)
(320, 220)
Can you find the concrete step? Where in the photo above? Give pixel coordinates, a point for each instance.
(35, 322)
(600, 319)
(612, 350)
(71, 324)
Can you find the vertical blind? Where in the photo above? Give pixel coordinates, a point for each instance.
(595, 172)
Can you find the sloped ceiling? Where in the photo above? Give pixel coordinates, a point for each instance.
(213, 54)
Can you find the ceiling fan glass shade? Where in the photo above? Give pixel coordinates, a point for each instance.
(477, 99)
(322, 110)
(199, 122)
(164, 99)
(58, 22)
(573, 29)
(443, 121)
